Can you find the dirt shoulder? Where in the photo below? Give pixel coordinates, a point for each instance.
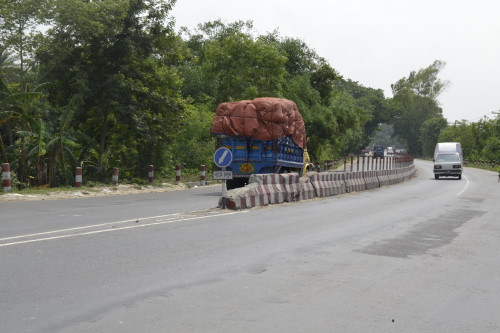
(89, 192)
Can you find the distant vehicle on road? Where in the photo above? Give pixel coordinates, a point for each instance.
(390, 150)
(378, 151)
(448, 159)
(448, 164)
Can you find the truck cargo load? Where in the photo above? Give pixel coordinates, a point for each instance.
(265, 118)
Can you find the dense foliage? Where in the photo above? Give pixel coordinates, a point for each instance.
(100, 84)
(480, 140)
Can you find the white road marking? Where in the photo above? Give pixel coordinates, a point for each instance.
(86, 227)
(465, 187)
(159, 222)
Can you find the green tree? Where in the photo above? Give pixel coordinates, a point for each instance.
(415, 101)
(461, 132)
(115, 63)
(19, 34)
(243, 68)
(430, 131)
(373, 103)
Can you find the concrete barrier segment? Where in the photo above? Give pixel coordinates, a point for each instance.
(318, 182)
(339, 186)
(393, 176)
(371, 179)
(271, 185)
(291, 183)
(383, 177)
(399, 177)
(355, 182)
(306, 189)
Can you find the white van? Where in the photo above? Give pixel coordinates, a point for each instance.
(448, 164)
(448, 160)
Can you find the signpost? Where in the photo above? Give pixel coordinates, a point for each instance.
(222, 158)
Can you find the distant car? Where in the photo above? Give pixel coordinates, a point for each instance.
(378, 151)
(390, 151)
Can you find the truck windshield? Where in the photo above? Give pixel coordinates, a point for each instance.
(447, 158)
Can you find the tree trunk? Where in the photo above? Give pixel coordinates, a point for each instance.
(2, 150)
(102, 142)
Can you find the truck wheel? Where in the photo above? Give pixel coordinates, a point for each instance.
(436, 176)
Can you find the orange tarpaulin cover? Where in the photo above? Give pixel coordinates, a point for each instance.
(264, 118)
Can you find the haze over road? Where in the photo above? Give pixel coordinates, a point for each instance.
(420, 256)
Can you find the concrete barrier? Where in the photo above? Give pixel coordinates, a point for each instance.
(393, 176)
(413, 171)
(371, 179)
(323, 184)
(291, 183)
(339, 186)
(400, 175)
(270, 185)
(242, 198)
(355, 182)
(306, 189)
(269, 189)
(383, 177)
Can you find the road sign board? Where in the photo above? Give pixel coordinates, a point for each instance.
(223, 157)
(219, 175)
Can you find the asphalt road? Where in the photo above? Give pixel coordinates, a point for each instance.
(421, 256)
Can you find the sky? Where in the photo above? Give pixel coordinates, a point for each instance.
(378, 42)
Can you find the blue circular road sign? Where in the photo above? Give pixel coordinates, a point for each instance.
(223, 157)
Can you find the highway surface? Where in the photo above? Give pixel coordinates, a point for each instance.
(420, 256)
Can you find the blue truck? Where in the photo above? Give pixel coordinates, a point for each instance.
(252, 156)
(265, 135)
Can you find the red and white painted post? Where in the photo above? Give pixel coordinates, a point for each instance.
(114, 178)
(78, 177)
(6, 182)
(177, 174)
(203, 172)
(151, 173)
